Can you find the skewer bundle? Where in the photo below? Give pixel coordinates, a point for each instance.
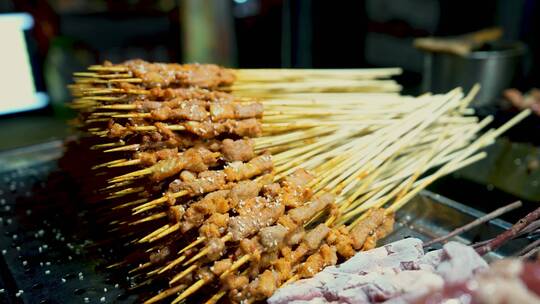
(216, 190)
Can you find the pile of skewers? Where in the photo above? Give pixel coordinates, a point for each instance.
(236, 182)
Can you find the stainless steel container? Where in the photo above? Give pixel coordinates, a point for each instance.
(494, 69)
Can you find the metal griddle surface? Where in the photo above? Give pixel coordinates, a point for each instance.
(44, 246)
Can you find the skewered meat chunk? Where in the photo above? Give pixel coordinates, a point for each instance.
(341, 240)
(191, 112)
(244, 128)
(188, 176)
(295, 192)
(299, 178)
(233, 281)
(221, 266)
(232, 150)
(215, 226)
(191, 93)
(217, 248)
(221, 201)
(315, 236)
(207, 181)
(175, 103)
(222, 111)
(162, 75)
(262, 215)
(175, 213)
(272, 190)
(272, 237)
(302, 214)
(156, 140)
(266, 284)
(204, 273)
(383, 230)
(296, 236)
(194, 159)
(316, 262)
(238, 150)
(213, 202)
(236, 171)
(366, 227)
(150, 158)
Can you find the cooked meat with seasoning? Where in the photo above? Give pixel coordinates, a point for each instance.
(244, 128)
(191, 93)
(217, 248)
(315, 236)
(160, 75)
(263, 214)
(194, 159)
(295, 236)
(236, 171)
(342, 241)
(197, 212)
(295, 192)
(273, 237)
(317, 261)
(383, 230)
(366, 227)
(215, 226)
(150, 158)
(175, 213)
(191, 112)
(221, 266)
(207, 181)
(233, 110)
(304, 213)
(238, 150)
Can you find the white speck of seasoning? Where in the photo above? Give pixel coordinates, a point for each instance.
(19, 293)
(4, 252)
(47, 271)
(25, 263)
(18, 248)
(105, 289)
(86, 300)
(102, 299)
(64, 280)
(2, 290)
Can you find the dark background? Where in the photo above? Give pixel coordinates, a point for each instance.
(71, 34)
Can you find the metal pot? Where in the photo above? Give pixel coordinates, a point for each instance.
(494, 68)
